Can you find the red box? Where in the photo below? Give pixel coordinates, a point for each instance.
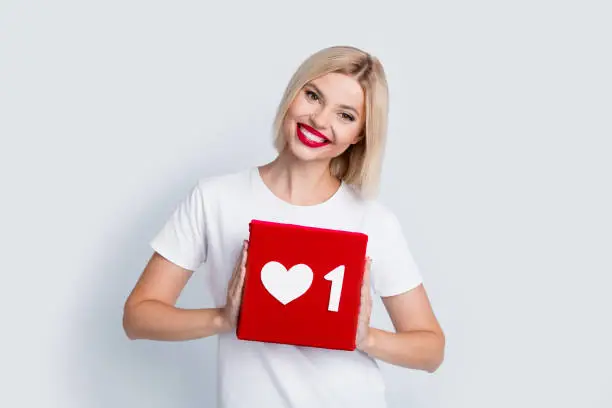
(302, 285)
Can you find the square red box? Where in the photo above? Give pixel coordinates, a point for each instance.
(302, 285)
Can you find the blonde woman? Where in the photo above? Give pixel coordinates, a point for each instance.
(330, 132)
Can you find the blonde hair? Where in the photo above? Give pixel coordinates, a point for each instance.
(360, 165)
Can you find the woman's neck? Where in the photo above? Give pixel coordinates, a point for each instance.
(298, 182)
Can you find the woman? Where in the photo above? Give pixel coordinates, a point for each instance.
(329, 131)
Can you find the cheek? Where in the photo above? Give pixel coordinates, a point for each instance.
(291, 115)
(288, 124)
(348, 134)
(300, 108)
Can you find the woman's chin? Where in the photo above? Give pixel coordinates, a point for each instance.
(305, 153)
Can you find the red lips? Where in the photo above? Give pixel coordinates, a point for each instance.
(309, 142)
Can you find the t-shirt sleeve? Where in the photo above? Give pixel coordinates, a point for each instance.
(393, 269)
(182, 239)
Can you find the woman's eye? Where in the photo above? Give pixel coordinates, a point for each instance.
(311, 95)
(346, 116)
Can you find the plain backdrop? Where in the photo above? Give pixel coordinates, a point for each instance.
(498, 167)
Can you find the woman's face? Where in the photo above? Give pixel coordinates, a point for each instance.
(325, 118)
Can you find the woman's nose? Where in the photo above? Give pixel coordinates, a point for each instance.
(320, 119)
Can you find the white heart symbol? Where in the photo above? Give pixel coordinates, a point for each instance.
(286, 285)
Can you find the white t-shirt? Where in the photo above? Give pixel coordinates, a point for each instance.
(207, 229)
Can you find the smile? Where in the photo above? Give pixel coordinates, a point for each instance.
(311, 137)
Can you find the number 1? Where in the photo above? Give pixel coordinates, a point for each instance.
(336, 277)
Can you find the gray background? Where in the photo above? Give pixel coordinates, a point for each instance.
(498, 167)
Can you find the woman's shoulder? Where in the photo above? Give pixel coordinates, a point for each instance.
(223, 183)
(374, 206)
(378, 216)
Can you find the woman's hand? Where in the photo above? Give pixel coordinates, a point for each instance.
(365, 309)
(234, 290)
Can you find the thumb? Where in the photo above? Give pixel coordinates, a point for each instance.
(366, 272)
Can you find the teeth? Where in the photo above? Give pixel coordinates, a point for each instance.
(312, 137)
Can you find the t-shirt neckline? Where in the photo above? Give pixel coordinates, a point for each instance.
(262, 187)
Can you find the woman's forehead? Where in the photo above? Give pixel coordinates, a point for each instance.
(339, 88)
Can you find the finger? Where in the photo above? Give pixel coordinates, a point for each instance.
(364, 298)
(245, 248)
(364, 293)
(233, 280)
(236, 271)
(365, 288)
(235, 274)
(238, 267)
(243, 266)
(242, 257)
(240, 280)
(243, 261)
(366, 271)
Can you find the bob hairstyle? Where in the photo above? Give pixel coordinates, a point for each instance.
(360, 165)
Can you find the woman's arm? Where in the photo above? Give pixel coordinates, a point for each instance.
(418, 341)
(150, 311)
